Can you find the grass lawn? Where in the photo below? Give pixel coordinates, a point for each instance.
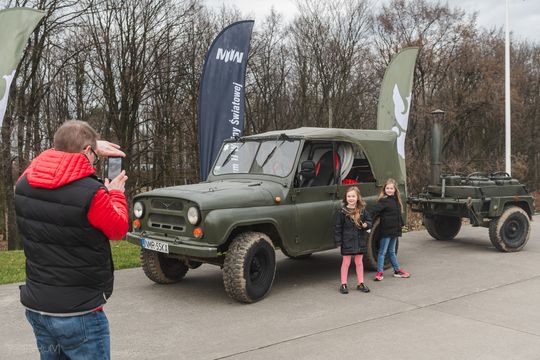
(125, 255)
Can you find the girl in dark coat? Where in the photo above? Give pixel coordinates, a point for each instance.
(389, 210)
(352, 221)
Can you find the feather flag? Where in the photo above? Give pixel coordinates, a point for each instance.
(395, 98)
(16, 25)
(222, 93)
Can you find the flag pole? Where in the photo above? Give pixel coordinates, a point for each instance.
(507, 137)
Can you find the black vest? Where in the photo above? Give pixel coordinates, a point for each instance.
(69, 267)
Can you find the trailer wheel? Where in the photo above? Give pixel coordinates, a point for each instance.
(442, 227)
(250, 267)
(510, 232)
(161, 269)
(370, 258)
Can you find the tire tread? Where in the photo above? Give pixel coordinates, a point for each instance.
(152, 267)
(496, 224)
(233, 267)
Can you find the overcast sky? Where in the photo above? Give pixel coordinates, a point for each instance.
(524, 14)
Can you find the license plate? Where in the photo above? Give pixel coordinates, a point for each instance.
(155, 245)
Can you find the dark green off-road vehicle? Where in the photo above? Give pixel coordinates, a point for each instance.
(277, 190)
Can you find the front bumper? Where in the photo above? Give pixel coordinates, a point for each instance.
(178, 245)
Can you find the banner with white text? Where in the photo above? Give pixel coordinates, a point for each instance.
(222, 92)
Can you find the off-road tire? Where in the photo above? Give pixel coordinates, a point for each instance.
(442, 227)
(249, 267)
(511, 231)
(370, 258)
(161, 269)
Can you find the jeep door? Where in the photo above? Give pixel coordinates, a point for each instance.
(313, 198)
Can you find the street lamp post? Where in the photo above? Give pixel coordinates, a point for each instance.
(507, 113)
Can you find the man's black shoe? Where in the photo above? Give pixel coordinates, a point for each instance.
(343, 289)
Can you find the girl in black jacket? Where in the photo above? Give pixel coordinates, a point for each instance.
(350, 234)
(389, 210)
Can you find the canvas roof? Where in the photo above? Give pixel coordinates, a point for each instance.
(379, 146)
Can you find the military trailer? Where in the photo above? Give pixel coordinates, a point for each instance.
(496, 201)
(276, 190)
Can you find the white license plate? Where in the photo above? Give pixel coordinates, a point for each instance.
(155, 245)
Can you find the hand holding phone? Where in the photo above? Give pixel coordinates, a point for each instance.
(118, 183)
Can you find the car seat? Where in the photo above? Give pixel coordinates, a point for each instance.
(324, 170)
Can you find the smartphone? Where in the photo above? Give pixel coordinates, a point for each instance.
(114, 167)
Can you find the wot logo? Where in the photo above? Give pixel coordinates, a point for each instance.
(229, 55)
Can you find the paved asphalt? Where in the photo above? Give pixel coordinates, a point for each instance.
(464, 300)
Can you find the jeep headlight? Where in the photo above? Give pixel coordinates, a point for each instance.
(193, 215)
(138, 209)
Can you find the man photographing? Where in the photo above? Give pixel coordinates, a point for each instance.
(66, 217)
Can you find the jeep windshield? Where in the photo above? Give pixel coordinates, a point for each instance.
(270, 157)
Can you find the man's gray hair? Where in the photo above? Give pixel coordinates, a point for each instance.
(74, 136)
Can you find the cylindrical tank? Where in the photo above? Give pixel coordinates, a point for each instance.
(436, 141)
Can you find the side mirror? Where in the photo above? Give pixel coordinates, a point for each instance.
(307, 169)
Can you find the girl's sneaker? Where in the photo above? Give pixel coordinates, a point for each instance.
(399, 273)
(363, 288)
(343, 289)
(379, 276)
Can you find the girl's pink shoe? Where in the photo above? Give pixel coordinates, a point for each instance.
(399, 273)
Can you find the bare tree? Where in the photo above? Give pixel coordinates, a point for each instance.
(22, 135)
(267, 78)
(330, 42)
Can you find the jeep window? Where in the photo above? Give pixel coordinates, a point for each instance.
(273, 157)
(349, 160)
(324, 164)
(359, 170)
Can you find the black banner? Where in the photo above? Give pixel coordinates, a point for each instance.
(222, 93)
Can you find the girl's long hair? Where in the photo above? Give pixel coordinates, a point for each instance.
(396, 194)
(355, 213)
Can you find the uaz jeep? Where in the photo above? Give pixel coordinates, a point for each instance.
(276, 190)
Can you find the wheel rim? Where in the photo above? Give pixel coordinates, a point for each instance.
(257, 267)
(260, 274)
(513, 231)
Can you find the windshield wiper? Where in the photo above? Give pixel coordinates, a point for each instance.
(271, 154)
(230, 154)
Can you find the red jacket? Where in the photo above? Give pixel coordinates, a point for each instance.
(108, 211)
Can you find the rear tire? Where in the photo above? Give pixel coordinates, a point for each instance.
(511, 231)
(161, 269)
(249, 267)
(370, 258)
(442, 227)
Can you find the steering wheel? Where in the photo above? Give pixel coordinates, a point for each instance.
(500, 174)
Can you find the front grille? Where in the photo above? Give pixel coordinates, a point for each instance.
(167, 204)
(168, 222)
